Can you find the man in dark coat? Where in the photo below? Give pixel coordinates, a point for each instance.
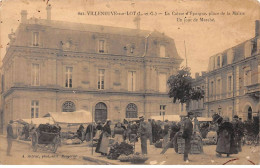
(9, 130)
(238, 131)
(143, 133)
(187, 133)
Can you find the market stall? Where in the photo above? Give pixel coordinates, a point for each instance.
(70, 122)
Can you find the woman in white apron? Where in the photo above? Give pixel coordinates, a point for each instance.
(103, 142)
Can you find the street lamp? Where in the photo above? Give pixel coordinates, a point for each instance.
(219, 110)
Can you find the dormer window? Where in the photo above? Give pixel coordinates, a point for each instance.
(132, 50)
(247, 49)
(230, 56)
(162, 51)
(35, 39)
(101, 46)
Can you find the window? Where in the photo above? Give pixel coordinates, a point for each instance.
(162, 109)
(247, 77)
(35, 74)
(218, 61)
(230, 83)
(35, 38)
(35, 109)
(68, 106)
(211, 88)
(247, 49)
(132, 50)
(101, 46)
(219, 86)
(117, 77)
(131, 111)
(162, 51)
(68, 80)
(131, 80)
(230, 56)
(162, 82)
(101, 79)
(101, 112)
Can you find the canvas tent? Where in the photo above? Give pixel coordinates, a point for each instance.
(36, 121)
(176, 118)
(77, 117)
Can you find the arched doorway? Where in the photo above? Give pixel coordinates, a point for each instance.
(100, 112)
(249, 113)
(131, 111)
(68, 106)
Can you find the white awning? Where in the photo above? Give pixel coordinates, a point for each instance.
(76, 117)
(37, 121)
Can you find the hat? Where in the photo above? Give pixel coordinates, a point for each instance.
(216, 117)
(142, 117)
(11, 121)
(235, 116)
(190, 113)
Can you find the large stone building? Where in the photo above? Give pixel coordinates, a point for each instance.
(232, 83)
(116, 73)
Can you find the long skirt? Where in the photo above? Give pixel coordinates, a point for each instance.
(165, 140)
(104, 144)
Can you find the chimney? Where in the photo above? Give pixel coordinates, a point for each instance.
(137, 20)
(197, 74)
(257, 28)
(48, 9)
(23, 16)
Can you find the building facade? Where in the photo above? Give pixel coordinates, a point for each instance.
(116, 73)
(232, 83)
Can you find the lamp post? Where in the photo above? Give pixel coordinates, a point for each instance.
(219, 110)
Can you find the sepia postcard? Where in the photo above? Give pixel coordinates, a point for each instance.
(129, 82)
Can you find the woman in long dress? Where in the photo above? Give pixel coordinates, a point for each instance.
(119, 132)
(103, 142)
(225, 142)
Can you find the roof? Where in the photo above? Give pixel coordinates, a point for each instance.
(88, 27)
(76, 117)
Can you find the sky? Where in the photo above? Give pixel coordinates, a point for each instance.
(202, 39)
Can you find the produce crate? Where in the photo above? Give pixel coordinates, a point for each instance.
(196, 148)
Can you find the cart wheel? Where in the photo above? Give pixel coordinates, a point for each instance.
(55, 145)
(34, 142)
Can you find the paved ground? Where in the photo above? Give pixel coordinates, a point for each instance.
(22, 154)
(73, 154)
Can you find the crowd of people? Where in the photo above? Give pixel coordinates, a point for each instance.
(230, 134)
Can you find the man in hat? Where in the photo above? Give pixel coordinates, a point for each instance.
(238, 131)
(9, 130)
(187, 133)
(143, 134)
